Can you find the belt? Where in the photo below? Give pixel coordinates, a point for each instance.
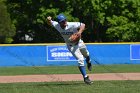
(73, 44)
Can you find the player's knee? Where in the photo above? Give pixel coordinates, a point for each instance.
(84, 52)
(81, 62)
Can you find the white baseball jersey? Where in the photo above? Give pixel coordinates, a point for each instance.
(78, 50)
(68, 30)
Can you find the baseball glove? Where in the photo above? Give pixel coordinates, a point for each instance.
(75, 37)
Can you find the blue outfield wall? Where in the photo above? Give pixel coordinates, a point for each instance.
(55, 54)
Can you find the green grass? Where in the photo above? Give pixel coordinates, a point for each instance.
(67, 69)
(73, 87)
(70, 87)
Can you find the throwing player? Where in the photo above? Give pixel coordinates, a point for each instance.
(74, 42)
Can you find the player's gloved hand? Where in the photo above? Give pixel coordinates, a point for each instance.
(78, 34)
(75, 37)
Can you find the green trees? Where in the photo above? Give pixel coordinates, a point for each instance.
(106, 20)
(7, 29)
(118, 19)
(123, 22)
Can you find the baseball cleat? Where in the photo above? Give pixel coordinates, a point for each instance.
(87, 80)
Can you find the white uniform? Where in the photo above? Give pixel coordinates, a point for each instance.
(77, 49)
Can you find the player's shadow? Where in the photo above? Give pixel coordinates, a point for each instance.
(61, 84)
(45, 85)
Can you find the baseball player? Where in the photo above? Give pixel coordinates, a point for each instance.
(71, 33)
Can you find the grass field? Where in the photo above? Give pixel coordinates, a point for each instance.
(67, 69)
(73, 87)
(70, 87)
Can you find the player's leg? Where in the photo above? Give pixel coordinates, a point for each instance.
(78, 55)
(85, 53)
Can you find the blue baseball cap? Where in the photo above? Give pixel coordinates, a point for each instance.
(60, 18)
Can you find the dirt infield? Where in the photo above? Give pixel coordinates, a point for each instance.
(68, 77)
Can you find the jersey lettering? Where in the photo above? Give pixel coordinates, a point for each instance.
(66, 33)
